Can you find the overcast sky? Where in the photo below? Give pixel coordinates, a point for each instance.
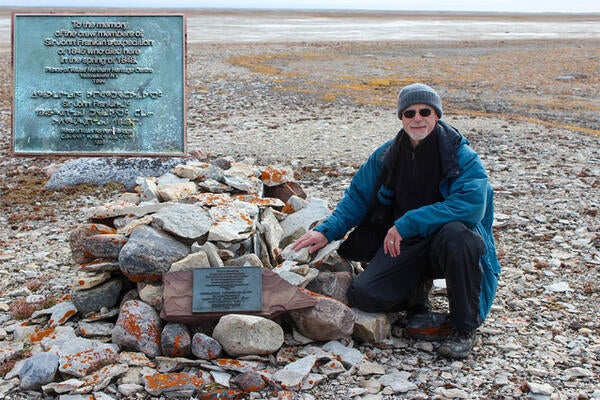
(567, 6)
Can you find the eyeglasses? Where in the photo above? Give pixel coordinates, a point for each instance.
(423, 112)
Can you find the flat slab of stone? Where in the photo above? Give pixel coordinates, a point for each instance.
(101, 171)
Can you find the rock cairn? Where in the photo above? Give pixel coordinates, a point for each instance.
(119, 335)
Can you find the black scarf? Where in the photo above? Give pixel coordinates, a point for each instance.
(396, 191)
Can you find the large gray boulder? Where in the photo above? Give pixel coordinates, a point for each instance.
(329, 319)
(242, 335)
(103, 170)
(149, 253)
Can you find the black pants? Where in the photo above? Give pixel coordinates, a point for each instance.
(395, 284)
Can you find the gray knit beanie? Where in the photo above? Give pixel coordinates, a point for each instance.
(418, 93)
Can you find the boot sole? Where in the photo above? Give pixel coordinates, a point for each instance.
(431, 333)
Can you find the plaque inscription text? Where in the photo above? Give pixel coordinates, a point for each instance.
(99, 84)
(227, 289)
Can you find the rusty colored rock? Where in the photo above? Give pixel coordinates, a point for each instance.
(106, 245)
(276, 176)
(176, 340)
(329, 319)
(158, 384)
(250, 381)
(79, 241)
(81, 363)
(285, 191)
(138, 327)
(205, 347)
(231, 364)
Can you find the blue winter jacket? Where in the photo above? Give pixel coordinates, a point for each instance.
(468, 198)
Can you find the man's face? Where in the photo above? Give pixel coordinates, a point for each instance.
(416, 125)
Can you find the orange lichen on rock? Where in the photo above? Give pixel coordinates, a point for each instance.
(131, 322)
(139, 330)
(245, 217)
(274, 175)
(211, 354)
(259, 201)
(237, 365)
(288, 209)
(209, 199)
(172, 381)
(179, 345)
(134, 359)
(99, 229)
(63, 318)
(40, 334)
(80, 364)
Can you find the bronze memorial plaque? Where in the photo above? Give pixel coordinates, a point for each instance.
(227, 289)
(99, 84)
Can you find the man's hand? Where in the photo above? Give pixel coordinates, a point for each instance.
(316, 240)
(391, 242)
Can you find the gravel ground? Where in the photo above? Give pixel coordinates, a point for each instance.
(323, 108)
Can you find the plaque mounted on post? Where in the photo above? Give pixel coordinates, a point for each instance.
(227, 289)
(99, 84)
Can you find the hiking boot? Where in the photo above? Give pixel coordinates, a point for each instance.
(457, 344)
(431, 326)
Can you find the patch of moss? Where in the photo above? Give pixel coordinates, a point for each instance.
(258, 64)
(24, 199)
(22, 309)
(482, 78)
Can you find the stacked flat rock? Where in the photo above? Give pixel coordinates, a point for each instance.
(111, 336)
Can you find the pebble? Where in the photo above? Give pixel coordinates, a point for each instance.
(176, 340)
(205, 347)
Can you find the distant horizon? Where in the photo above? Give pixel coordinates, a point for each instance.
(277, 26)
(431, 6)
(306, 10)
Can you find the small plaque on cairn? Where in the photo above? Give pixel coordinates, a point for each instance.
(227, 289)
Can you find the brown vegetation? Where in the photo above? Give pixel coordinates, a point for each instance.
(554, 84)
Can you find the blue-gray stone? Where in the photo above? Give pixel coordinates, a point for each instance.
(205, 347)
(148, 253)
(138, 328)
(176, 340)
(92, 300)
(38, 370)
(103, 170)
